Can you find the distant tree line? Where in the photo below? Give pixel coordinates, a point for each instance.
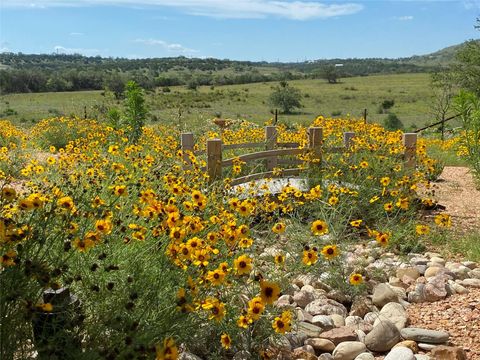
(39, 73)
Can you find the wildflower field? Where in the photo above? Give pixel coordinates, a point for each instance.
(111, 249)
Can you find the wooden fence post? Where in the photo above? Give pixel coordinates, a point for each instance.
(410, 143)
(270, 144)
(187, 143)
(348, 139)
(315, 140)
(214, 159)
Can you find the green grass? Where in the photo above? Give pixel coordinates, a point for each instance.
(411, 92)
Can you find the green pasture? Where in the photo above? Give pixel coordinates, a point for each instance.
(191, 109)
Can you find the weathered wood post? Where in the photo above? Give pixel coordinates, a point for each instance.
(364, 116)
(214, 159)
(348, 139)
(270, 144)
(410, 143)
(187, 144)
(315, 140)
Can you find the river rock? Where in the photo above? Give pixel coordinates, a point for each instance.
(296, 339)
(432, 271)
(348, 350)
(383, 294)
(284, 300)
(412, 345)
(371, 317)
(308, 329)
(326, 307)
(411, 272)
(426, 347)
(459, 289)
(425, 335)
(395, 313)
(437, 260)
(302, 315)
(338, 320)
(365, 356)
(303, 298)
(474, 274)
(418, 295)
(422, 357)
(435, 289)
(471, 283)
(300, 353)
(382, 337)
(321, 345)
(339, 335)
(361, 305)
(448, 353)
(325, 356)
(323, 321)
(400, 353)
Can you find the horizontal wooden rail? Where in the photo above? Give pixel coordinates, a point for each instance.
(243, 146)
(265, 175)
(288, 144)
(289, 162)
(263, 155)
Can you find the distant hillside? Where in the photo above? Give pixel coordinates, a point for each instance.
(443, 57)
(59, 72)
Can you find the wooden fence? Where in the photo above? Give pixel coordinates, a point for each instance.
(273, 150)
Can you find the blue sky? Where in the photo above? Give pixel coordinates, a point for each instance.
(267, 30)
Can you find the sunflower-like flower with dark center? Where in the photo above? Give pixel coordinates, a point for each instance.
(226, 341)
(283, 324)
(269, 292)
(330, 252)
(242, 265)
(319, 227)
(356, 279)
(168, 351)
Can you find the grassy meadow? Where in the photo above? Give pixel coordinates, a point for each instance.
(191, 109)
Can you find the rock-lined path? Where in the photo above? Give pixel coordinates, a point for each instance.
(455, 189)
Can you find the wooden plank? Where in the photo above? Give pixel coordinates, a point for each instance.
(214, 159)
(270, 144)
(263, 155)
(243, 146)
(264, 175)
(187, 143)
(288, 144)
(410, 143)
(348, 139)
(289, 162)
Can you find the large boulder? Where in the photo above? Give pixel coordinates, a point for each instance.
(348, 350)
(395, 313)
(383, 294)
(382, 337)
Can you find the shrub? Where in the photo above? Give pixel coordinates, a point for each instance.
(392, 123)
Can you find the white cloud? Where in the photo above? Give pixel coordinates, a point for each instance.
(404, 18)
(65, 50)
(294, 10)
(76, 34)
(174, 48)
